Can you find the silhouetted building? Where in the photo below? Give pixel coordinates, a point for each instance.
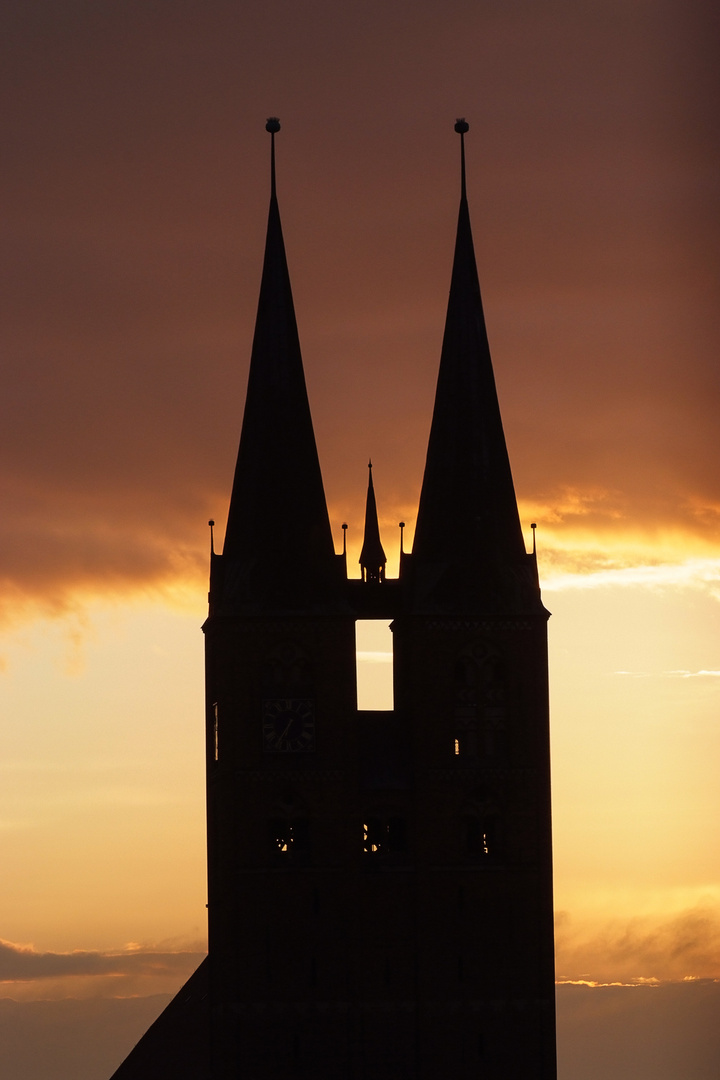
(379, 883)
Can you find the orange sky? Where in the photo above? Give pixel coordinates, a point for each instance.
(135, 195)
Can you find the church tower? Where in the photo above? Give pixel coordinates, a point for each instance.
(379, 883)
(471, 673)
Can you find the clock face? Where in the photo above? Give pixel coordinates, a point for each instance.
(288, 726)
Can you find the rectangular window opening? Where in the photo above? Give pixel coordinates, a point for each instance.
(374, 655)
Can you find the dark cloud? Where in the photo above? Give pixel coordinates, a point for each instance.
(70, 1039)
(20, 963)
(135, 192)
(639, 1032)
(628, 1033)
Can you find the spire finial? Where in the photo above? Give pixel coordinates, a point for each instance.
(211, 523)
(273, 126)
(462, 126)
(533, 526)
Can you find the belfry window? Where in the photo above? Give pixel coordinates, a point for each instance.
(289, 840)
(481, 837)
(384, 836)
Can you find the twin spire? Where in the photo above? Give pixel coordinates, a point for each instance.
(467, 524)
(278, 543)
(278, 547)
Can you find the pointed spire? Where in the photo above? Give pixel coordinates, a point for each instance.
(468, 530)
(278, 536)
(372, 556)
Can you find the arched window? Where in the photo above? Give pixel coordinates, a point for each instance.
(384, 836)
(289, 840)
(481, 829)
(480, 836)
(289, 832)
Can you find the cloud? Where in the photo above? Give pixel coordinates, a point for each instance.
(572, 503)
(670, 674)
(23, 963)
(694, 674)
(132, 248)
(659, 1032)
(694, 573)
(72, 1039)
(685, 946)
(629, 1033)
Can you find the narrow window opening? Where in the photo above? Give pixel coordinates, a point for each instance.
(480, 838)
(216, 756)
(289, 840)
(457, 748)
(384, 836)
(371, 836)
(374, 656)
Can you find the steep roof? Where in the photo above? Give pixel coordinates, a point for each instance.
(468, 529)
(278, 544)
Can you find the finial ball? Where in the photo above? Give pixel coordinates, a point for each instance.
(211, 523)
(273, 124)
(533, 524)
(461, 125)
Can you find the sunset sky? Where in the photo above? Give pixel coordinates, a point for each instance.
(135, 191)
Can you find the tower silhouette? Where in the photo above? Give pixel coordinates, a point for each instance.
(379, 883)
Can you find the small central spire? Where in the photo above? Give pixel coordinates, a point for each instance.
(372, 556)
